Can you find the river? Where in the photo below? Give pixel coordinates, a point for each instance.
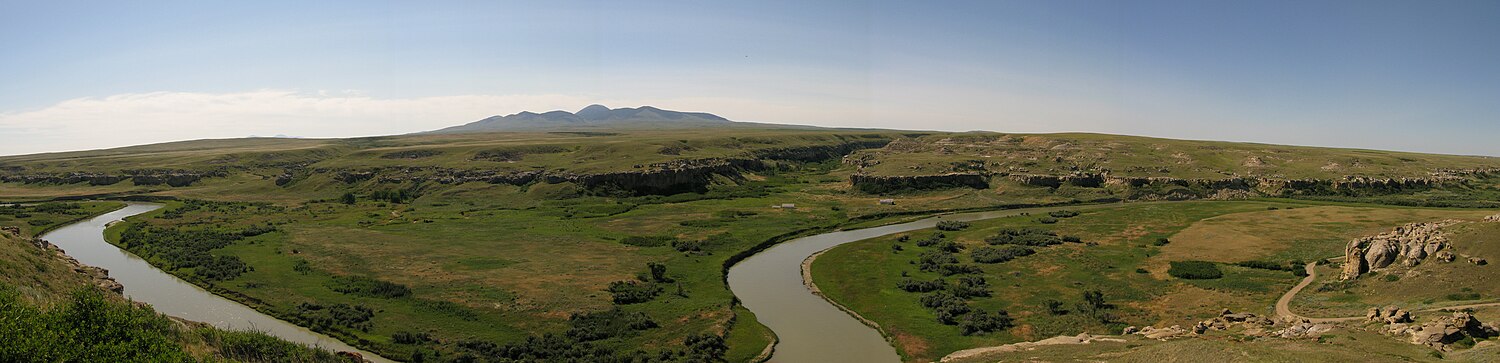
(170, 295)
(809, 328)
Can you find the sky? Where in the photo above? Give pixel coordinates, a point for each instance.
(1394, 75)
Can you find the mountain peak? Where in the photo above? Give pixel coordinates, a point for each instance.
(593, 116)
(594, 112)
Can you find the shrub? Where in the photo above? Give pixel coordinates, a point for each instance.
(948, 246)
(327, 317)
(1025, 237)
(1046, 220)
(1161, 242)
(658, 272)
(222, 268)
(952, 225)
(648, 241)
(956, 269)
(931, 260)
(607, 324)
(1072, 239)
(632, 292)
(368, 287)
(86, 327)
(409, 337)
(980, 322)
(913, 285)
(1266, 265)
(1001, 254)
(971, 286)
(1055, 307)
(1063, 214)
(1195, 270)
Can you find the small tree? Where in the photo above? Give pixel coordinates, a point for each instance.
(658, 272)
(348, 198)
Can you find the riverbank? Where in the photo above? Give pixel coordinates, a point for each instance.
(172, 296)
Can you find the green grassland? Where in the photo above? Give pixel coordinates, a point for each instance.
(484, 270)
(1124, 253)
(1432, 284)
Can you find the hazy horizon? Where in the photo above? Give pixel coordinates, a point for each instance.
(1381, 75)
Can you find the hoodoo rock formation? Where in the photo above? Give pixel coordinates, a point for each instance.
(1409, 244)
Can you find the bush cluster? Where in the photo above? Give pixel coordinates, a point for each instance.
(607, 324)
(1195, 270)
(914, 285)
(953, 310)
(180, 248)
(333, 317)
(952, 225)
(1024, 237)
(1062, 214)
(368, 287)
(1000, 254)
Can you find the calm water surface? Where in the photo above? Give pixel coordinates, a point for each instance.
(170, 295)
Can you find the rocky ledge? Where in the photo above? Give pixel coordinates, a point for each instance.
(1409, 244)
(175, 178)
(99, 276)
(1438, 334)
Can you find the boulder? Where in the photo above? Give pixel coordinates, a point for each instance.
(1409, 244)
(1441, 332)
(1388, 315)
(1445, 256)
(1163, 333)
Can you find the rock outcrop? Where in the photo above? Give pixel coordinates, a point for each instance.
(1388, 315)
(1409, 244)
(1253, 325)
(99, 276)
(882, 184)
(1442, 332)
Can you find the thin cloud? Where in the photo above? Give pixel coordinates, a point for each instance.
(141, 118)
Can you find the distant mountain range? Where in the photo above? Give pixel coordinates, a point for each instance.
(595, 116)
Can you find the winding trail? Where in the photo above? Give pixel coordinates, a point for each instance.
(1284, 309)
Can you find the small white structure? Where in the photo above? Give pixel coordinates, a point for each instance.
(785, 206)
(887, 202)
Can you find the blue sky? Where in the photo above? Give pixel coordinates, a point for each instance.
(1401, 75)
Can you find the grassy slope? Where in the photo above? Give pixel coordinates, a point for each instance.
(1429, 285)
(863, 275)
(1144, 157)
(56, 312)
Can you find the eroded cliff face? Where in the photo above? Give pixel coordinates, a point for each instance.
(883, 184)
(1408, 245)
(175, 178)
(1167, 187)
